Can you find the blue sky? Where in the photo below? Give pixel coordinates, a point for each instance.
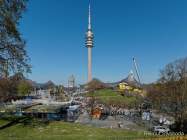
(152, 31)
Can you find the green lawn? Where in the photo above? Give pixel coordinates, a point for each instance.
(68, 131)
(3, 122)
(103, 92)
(108, 96)
(62, 131)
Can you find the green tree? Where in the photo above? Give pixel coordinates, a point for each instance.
(5, 88)
(9, 86)
(13, 55)
(169, 94)
(24, 88)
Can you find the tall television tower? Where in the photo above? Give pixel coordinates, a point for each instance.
(89, 45)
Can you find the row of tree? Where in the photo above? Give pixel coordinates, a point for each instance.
(95, 84)
(14, 87)
(169, 93)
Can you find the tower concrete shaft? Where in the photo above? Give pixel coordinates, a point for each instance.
(89, 45)
(89, 64)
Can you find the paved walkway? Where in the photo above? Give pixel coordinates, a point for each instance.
(109, 122)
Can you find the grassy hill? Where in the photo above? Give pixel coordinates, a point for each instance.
(109, 96)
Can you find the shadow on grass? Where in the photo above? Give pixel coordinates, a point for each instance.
(14, 122)
(25, 121)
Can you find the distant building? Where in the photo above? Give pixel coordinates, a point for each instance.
(130, 84)
(71, 82)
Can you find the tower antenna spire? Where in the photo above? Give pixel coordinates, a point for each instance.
(89, 16)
